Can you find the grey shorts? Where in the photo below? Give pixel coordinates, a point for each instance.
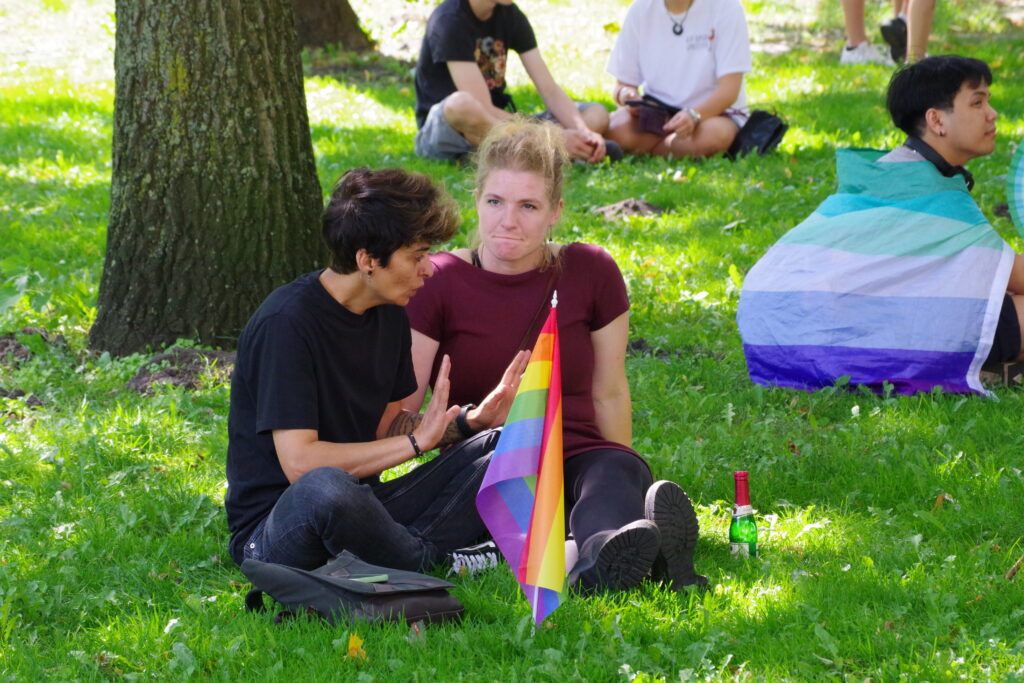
(438, 140)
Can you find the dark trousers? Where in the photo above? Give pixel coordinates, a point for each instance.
(604, 489)
(411, 522)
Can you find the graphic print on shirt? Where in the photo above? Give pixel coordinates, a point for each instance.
(491, 57)
(701, 42)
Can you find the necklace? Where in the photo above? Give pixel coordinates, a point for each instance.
(677, 26)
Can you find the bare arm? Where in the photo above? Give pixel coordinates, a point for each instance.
(612, 406)
(581, 142)
(1016, 283)
(468, 79)
(626, 91)
(720, 99)
(300, 450)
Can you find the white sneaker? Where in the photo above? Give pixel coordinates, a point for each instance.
(474, 559)
(865, 53)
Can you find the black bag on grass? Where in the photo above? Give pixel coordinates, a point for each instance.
(348, 588)
(763, 132)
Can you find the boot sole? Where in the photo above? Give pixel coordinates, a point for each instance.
(626, 558)
(668, 506)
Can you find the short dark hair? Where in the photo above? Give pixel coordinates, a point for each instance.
(931, 83)
(382, 211)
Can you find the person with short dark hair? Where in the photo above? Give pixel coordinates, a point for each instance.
(897, 279)
(315, 415)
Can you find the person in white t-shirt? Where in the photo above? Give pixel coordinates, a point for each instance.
(690, 54)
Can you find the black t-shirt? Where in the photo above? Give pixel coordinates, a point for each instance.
(454, 34)
(306, 362)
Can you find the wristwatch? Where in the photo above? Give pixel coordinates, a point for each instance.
(694, 115)
(462, 423)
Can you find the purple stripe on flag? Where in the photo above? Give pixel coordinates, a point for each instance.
(814, 367)
(522, 462)
(518, 497)
(502, 525)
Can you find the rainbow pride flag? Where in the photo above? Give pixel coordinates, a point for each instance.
(521, 500)
(896, 278)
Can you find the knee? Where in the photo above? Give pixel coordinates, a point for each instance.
(329, 488)
(596, 117)
(715, 140)
(625, 467)
(462, 109)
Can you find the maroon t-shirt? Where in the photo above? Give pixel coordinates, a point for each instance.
(479, 318)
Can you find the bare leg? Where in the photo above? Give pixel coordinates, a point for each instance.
(623, 130)
(919, 26)
(712, 136)
(853, 16)
(466, 115)
(596, 118)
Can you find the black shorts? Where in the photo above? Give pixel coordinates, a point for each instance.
(1006, 345)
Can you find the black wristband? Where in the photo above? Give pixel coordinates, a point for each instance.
(415, 446)
(462, 423)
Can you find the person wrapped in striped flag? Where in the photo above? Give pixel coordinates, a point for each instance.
(897, 278)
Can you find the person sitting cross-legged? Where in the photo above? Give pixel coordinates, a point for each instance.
(315, 415)
(897, 278)
(460, 83)
(690, 55)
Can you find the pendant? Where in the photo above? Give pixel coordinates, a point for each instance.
(677, 29)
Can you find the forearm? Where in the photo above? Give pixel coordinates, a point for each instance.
(614, 416)
(564, 109)
(722, 97)
(358, 459)
(406, 422)
(624, 91)
(1016, 283)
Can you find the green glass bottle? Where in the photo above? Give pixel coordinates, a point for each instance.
(743, 530)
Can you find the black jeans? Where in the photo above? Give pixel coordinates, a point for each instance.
(604, 489)
(411, 522)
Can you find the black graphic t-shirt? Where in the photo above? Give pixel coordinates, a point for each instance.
(454, 34)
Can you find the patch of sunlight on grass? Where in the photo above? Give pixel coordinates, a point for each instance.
(344, 107)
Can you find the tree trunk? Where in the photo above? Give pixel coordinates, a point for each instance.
(214, 194)
(327, 22)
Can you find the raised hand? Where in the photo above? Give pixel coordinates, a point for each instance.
(437, 415)
(493, 410)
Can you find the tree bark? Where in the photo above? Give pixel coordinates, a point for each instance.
(214, 194)
(328, 22)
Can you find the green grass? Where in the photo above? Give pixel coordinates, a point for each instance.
(112, 532)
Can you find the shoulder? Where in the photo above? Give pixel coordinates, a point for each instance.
(447, 261)
(728, 9)
(448, 20)
(512, 12)
(291, 299)
(583, 255)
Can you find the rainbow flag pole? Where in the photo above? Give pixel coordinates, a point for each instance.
(521, 500)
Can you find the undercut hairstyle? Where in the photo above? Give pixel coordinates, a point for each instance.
(524, 144)
(383, 211)
(931, 83)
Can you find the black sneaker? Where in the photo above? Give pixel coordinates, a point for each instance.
(617, 559)
(475, 558)
(613, 151)
(894, 32)
(670, 508)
